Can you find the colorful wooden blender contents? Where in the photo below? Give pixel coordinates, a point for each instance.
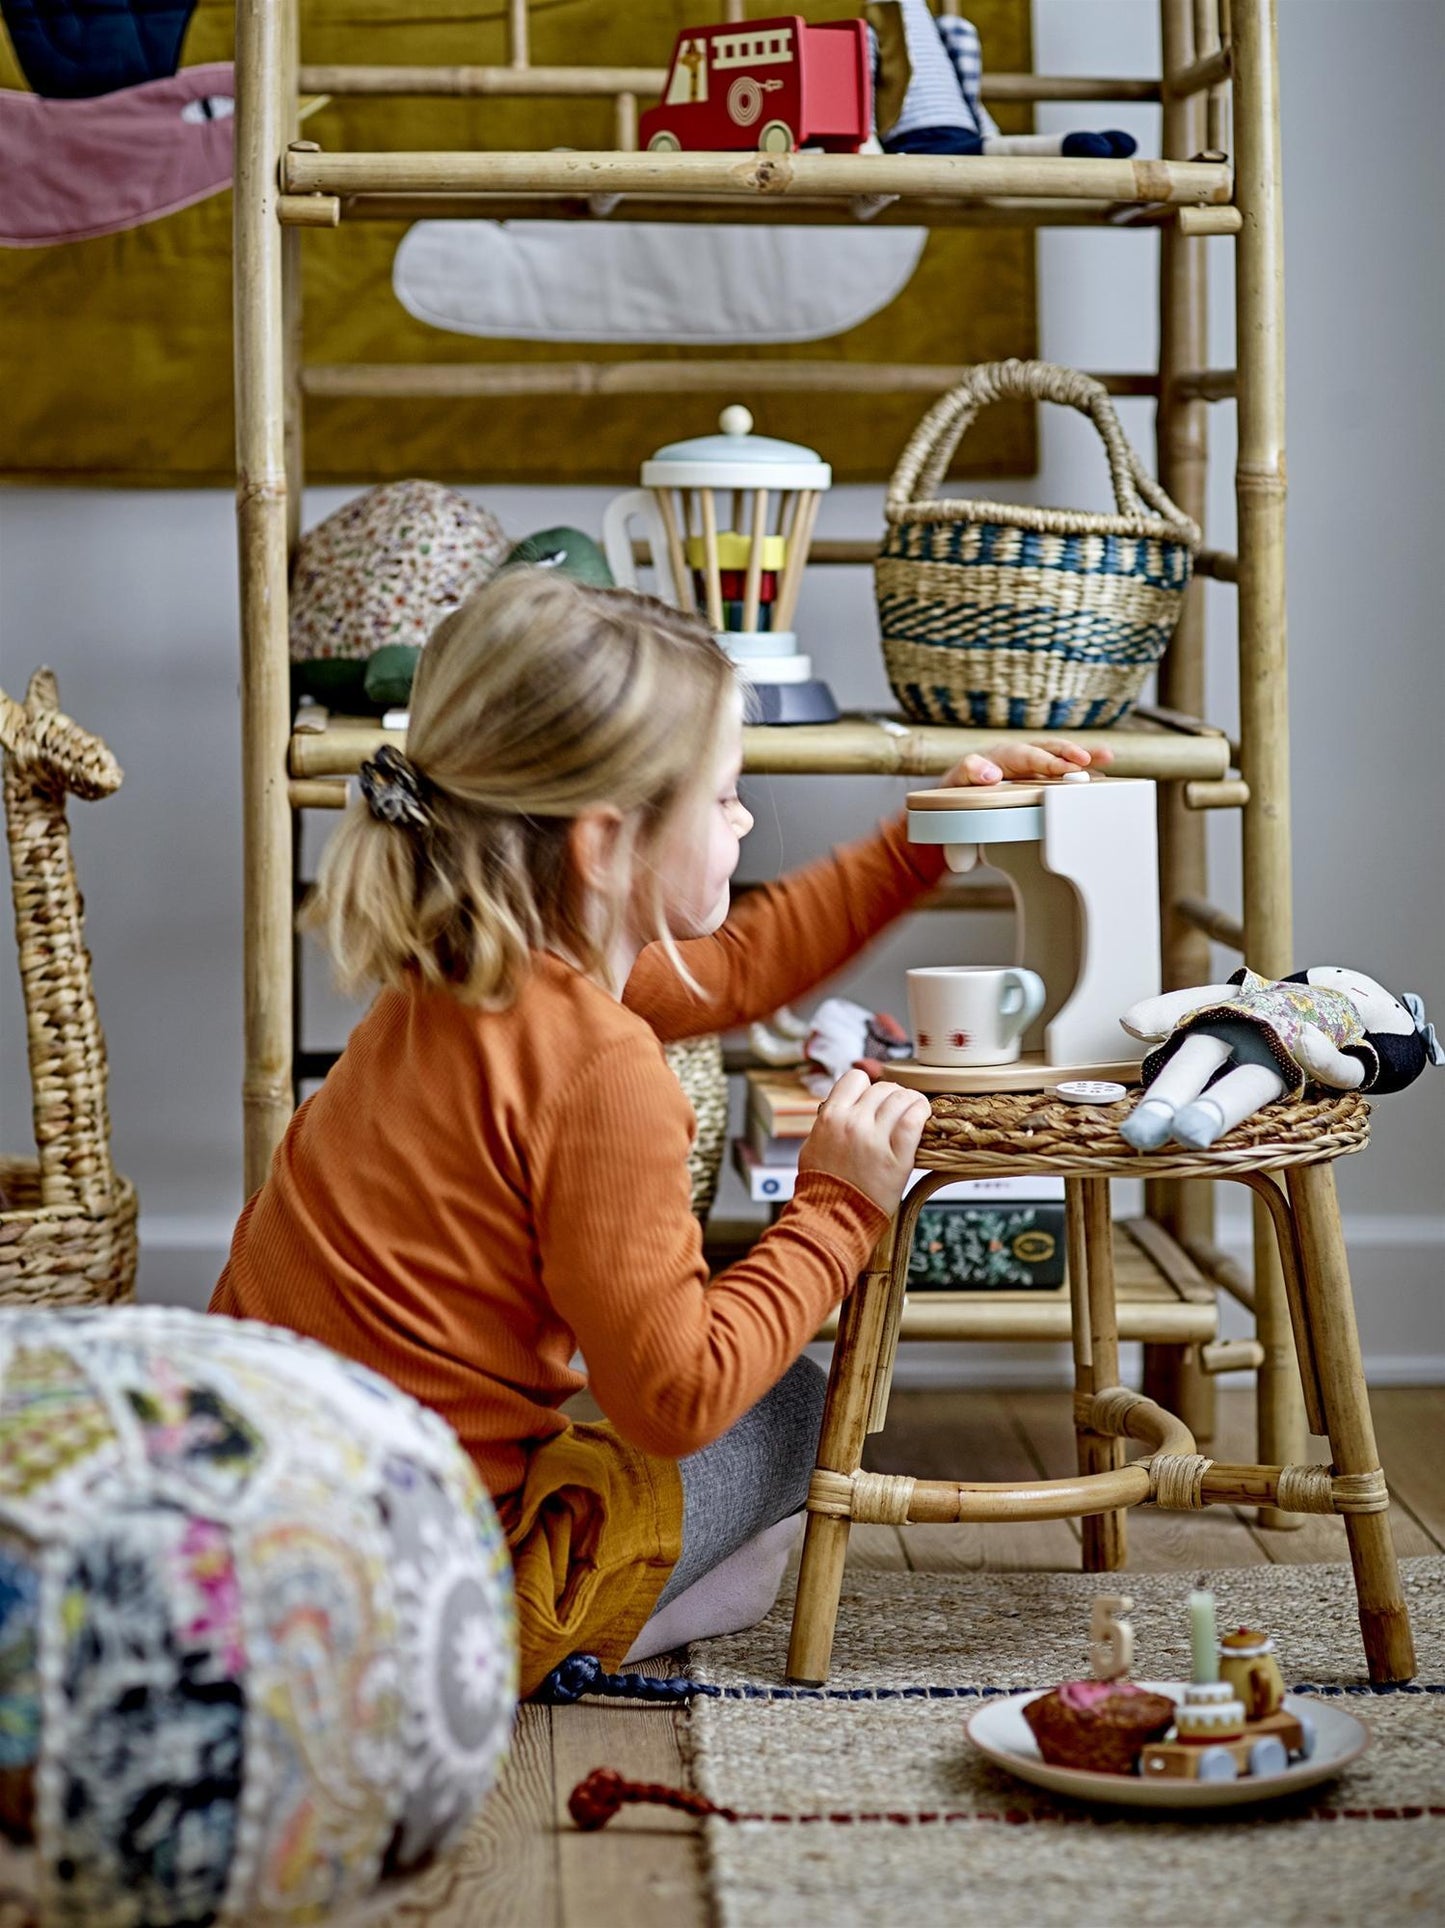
(729, 519)
(1081, 856)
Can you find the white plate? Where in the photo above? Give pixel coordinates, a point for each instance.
(1000, 1731)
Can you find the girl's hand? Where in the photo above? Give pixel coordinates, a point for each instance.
(867, 1134)
(1024, 760)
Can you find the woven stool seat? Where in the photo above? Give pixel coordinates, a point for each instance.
(1035, 1132)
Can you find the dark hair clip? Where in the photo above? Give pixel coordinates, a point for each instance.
(393, 788)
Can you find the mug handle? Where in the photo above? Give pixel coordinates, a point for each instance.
(1031, 994)
(617, 543)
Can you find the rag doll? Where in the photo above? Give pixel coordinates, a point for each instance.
(927, 73)
(838, 1035)
(1227, 1049)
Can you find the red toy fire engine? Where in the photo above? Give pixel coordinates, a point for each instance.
(770, 84)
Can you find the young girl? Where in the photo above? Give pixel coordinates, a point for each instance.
(494, 1174)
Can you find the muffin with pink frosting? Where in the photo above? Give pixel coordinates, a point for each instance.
(1100, 1725)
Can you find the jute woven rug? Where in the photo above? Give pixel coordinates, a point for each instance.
(875, 1809)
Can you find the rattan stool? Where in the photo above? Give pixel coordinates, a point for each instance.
(978, 1137)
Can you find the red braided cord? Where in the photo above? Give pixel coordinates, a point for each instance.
(594, 1801)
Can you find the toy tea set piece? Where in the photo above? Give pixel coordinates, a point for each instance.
(1229, 1737)
(729, 519)
(1082, 860)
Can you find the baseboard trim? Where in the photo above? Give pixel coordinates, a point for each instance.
(182, 1256)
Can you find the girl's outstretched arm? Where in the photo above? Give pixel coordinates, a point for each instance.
(785, 938)
(673, 1360)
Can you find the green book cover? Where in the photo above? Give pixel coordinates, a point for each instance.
(983, 1248)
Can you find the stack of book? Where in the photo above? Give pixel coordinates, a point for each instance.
(977, 1235)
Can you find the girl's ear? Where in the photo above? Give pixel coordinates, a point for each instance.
(594, 843)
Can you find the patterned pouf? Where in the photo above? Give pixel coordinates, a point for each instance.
(258, 1653)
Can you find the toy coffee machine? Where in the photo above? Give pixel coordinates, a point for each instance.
(729, 519)
(1081, 856)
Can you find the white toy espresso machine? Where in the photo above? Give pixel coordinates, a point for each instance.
(729, 519)
(1081, 855)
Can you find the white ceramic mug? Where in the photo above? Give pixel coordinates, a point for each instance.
(972, 1013)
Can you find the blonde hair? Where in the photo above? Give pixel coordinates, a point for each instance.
(536, 700)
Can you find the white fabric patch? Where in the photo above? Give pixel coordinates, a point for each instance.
(644, 281)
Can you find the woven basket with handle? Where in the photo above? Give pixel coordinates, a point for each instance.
(1005, 615)
(67, 1220)
(697, 1064)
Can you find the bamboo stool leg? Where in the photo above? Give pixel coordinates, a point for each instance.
(1090, 1234)
(862, 1331)
(1330, 1309)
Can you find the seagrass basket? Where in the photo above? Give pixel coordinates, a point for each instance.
(1005, 615)
(67, 1220)
(697, 1064)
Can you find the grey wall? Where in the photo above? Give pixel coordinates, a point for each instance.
(132, 598)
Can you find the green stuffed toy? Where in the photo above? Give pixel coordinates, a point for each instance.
(568, 550)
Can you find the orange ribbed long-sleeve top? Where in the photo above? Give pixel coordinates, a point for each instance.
(473, 1196)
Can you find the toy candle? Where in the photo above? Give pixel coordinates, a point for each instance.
(1203, 1642)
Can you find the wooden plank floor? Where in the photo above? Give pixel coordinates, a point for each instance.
(527, 1866)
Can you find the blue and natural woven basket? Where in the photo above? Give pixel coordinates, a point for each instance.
(1010, 616)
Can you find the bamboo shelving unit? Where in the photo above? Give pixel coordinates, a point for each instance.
(1220, 176)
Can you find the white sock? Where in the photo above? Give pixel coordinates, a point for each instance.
(737, 1593)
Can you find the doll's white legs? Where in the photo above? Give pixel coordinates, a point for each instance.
(737, 1593)
(1178, 1084)
(1227, 1104)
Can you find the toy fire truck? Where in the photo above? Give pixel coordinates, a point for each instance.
(776, 85)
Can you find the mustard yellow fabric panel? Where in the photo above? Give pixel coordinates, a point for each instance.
(115, 354)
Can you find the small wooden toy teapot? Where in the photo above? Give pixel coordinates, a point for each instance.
(1247, 1661)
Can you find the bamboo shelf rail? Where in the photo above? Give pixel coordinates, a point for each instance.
(1217, 86)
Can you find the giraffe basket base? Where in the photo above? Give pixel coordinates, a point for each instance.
(59, 1254)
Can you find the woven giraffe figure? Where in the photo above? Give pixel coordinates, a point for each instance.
(67, 1220)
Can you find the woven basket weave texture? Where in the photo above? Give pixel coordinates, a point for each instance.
(1006, 615)
(67, 1220)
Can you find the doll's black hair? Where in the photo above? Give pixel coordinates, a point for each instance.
(1402, 1058)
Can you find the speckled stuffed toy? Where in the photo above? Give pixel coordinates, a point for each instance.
(1227, 1049)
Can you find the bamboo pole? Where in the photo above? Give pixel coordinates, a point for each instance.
(316, 793)
(263, 68)
(1037, 1317)
(711, 575)
(1231, 1355)
(463, 380)
(910, 176)
(1207, 221)
(1222, 1270)
(1206, 385)
(856, 746)
(1263, 673)
(1199, 76)
(1231, 794)
(1206, 45)
(1182, 448)
(753, 579)
(1218, 564)
(1040, 211)
(347, 79)
(1215, 923)
(518, 35)
(625, 122)
(308, 210)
